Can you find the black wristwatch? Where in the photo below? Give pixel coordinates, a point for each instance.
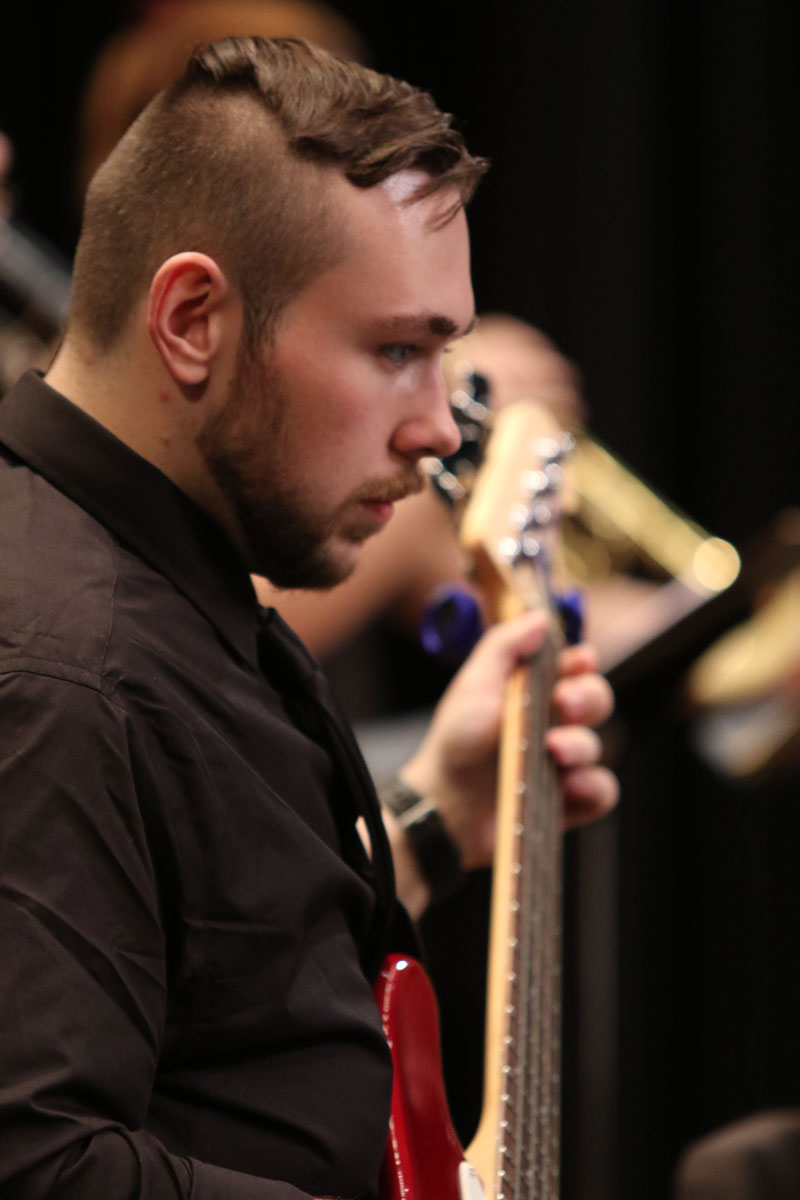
(436, 853)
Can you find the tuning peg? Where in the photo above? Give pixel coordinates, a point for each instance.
(535, 483)
(452, 475)
(524, 549)
(554, 449)
(539, 516)
(544, 481)
(471, 399)
(530, 549)
(446, 482)
(471, 408)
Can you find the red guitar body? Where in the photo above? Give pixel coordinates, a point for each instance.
(423, 1154)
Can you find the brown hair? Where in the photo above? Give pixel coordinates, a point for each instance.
(231, 161)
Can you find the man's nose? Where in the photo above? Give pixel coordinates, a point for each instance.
(431, 429)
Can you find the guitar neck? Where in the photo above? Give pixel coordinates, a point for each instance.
(508, 529)
(516, 1150)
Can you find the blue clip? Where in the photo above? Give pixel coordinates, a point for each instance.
(570, 609)
(451, 624)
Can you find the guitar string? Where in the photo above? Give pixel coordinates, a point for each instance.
(522, 996)
(548, 983)
(543, 1056)
(537, 982)
(524, 1012)
(531, 911)
(548, 789)
(535, 1064)
(547, 786)
(556, 984)
(530, 1158)
(554, 976)
(506, 1132)
(528, 1164)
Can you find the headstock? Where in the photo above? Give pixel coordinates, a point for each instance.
(510, 524)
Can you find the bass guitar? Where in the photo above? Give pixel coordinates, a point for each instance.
(510, 527)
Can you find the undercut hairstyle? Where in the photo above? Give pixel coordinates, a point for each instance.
(232, 160)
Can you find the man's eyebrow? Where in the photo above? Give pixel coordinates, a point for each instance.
(437, 324)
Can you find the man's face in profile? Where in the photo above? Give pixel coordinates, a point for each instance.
(323, 433)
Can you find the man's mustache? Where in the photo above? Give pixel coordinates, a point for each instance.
(388, 491)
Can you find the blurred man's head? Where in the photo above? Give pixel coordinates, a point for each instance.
(144, 58)
(520, 363)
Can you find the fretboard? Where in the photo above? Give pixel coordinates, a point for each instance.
(511, 530)
(517, 1148)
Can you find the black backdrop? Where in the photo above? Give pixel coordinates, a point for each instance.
(640, 210)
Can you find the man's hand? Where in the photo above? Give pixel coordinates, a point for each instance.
(456, 764)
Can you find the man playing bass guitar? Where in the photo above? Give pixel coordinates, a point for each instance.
(271, 263)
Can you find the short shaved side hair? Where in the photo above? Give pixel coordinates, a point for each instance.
(231, 160)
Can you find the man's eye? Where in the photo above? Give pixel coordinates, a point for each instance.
(398, 353)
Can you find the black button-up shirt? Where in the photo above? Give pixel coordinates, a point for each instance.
(187, 920)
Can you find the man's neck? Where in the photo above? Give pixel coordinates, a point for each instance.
(131, 396)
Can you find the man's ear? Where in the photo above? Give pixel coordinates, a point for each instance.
(188, 311)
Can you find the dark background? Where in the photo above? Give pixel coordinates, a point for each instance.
(640, 210)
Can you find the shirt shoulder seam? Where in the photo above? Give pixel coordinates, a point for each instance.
(64, 672)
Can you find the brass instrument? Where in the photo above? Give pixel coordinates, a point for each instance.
(746, 689)
(629, 521)
(645, 566)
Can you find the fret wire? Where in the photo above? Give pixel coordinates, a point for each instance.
(529, 1178)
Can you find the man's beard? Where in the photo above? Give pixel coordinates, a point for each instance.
(285, 539)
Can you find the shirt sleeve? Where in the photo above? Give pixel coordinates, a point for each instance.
(83, 987)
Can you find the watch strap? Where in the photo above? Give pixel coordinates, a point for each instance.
(436, 854)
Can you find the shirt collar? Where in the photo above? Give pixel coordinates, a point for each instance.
(134, 500)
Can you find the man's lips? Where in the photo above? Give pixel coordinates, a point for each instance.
(380, 510)
(378, 497)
